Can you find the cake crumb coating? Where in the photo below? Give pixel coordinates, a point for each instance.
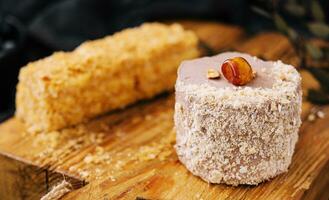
(239, 135)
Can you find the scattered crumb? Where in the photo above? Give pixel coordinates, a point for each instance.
(84, 174)
(311, 117)
(58, 145)
(72, 168)
(254, 74)
(50, 139)
(112, 178)
(315, 113)
(99, 150)
(88, 159)
(98, 157)
(98, 171)
(212, 74)
(160, 150)
(320, 114)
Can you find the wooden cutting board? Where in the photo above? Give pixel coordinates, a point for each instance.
(128, 154)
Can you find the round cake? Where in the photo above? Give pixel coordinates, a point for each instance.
(237, 134)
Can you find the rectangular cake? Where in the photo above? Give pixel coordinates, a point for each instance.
(101, 75)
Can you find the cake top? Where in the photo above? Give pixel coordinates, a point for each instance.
(274, 80)
(195, 71)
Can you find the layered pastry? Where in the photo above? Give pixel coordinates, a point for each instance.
(232, 127)
(101, 75)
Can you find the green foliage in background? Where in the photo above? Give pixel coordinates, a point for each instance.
(311, 16)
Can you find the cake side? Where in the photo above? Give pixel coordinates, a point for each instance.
(238, 135)
(98, 76)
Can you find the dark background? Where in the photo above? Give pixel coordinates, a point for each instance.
(32, 29)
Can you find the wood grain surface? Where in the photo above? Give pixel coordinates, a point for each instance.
(128, 154)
